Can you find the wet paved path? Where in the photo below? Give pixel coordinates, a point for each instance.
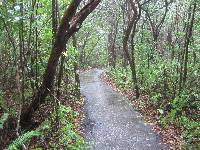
(111, 122)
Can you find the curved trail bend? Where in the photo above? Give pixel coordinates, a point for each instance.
(111, 123)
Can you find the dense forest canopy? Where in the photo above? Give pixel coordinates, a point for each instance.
(150, 50)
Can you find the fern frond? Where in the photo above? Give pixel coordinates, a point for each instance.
(23, 139)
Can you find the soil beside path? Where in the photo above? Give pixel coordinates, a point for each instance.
(111, 122)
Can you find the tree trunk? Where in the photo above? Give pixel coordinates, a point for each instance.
(188, 35)
(131, 58)
(133, 68)
(70, 24)
(188, 39)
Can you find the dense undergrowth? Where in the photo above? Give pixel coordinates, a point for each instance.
(60, 130)
(171, 107)
(158, 39)
(58, 119)
(51, 134)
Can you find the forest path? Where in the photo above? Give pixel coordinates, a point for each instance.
(111, 123)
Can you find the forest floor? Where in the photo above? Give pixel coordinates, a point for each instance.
(111, 121)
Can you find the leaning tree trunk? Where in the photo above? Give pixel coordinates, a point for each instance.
(70, 24)
(131, 58)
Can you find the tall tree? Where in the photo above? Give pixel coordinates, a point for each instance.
(132, 24)
(188, 36)
(70, 23)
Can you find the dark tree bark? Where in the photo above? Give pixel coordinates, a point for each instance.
(131, 58)
(188, 36)
(70, 23)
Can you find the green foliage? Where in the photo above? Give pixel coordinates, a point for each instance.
(122, 78)
(22, 139)
(71, 55)
(158, 67)
(27, 136)
(36, 26)
(178, 115)
(159, 78)
(155, 97)
(37, 148)
(3, 118)
(68, 136)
